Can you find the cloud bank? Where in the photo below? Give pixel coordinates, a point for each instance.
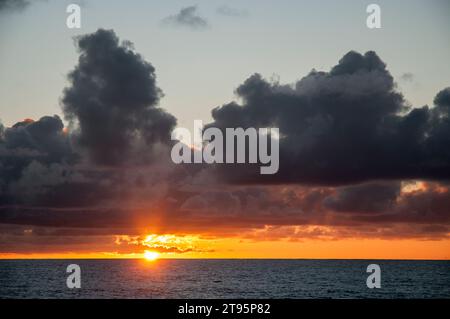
(356, 161)
(348, 125)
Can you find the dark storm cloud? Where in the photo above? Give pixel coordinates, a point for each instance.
(187, 17)
(366, 198)
(44, 137)
(101, 218)
(442, 101)
(430, 206)
(113, 100)
(419, 214)
(341, 127)
(371, 210)
(29, 144)
(39, 168)
(112, 108)
(12, 5)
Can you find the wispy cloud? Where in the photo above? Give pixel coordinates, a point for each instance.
(13, 5)
(407, 77)
(187, 17)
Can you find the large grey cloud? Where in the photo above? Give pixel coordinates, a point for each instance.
(113, 100)
(116, 141)
(343, 126)
(38, 167)
(27, 145)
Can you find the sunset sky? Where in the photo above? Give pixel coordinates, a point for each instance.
(86, 117)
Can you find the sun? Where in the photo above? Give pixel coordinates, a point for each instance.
(151, 255)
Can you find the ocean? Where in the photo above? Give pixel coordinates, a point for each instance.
(238, 278)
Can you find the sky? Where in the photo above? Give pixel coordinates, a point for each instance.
(364, 117)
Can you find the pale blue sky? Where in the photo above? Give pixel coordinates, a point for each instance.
(199, 69)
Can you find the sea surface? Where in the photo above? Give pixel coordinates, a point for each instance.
(203, 278)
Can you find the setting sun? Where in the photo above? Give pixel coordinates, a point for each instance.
(151, 255)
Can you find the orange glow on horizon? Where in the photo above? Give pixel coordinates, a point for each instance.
(151, 255)
(229, 248)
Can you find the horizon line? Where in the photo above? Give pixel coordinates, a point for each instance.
(217, 258)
